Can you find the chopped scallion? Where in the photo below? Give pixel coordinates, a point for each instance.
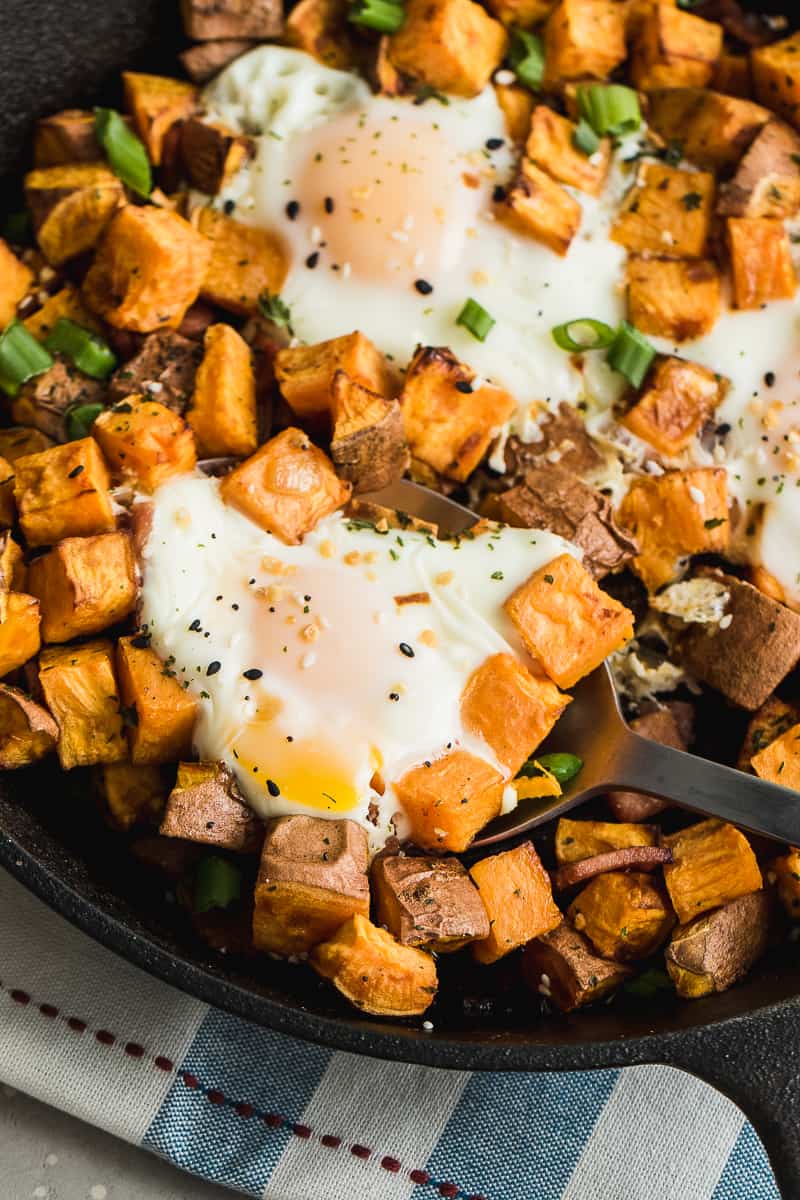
(21, 358)
(217, 884)
(631, 354)
(583, 333)
(475, 318)
(88, 352)
(585, 139)
(609, 108)
(80, 419)
(275, 310)
(526, 57)
(126, 154)
(384, 16)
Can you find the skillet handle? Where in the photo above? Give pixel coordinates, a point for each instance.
(755, 1061)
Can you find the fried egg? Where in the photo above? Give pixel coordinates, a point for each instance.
(325, 670)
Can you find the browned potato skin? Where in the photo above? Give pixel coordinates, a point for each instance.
(163, 712)
(43, 401)
(715, 950)
(212, 154)
(576, 840)
(66, 137)
(576, 975)
(565, 441)
(767, 181)
(84, 585)
(376, 973)
(80, 689)
(713, 863)
(157, 103)
(131, 795)
(164, 368)
(205, 60)
(312, 878)
(320, 28)
(206, 806)
(27, 731)
(772, 719)
(712, 129)
(209, 20)
(368, 445)
(428, 902)
(70, 207)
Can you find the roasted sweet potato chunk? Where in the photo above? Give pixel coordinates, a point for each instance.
(711, 128)
(776, 77)
(44, 400)
(131, 795)
(222, 415)
(63, 492)
(148, 269)
(66, 137)
(206, 806)
(516, 893)
(157, 103)
(13, 572)
(15, 280)
(626, 916)
(772, 719)
(19, 632)
(245, 261)
(163, 369)
(64, 303)
(584, 39)
(312, 878)
(712, 864)
(715, 950)
(8, 508)
(521, 13)
(667, 213)
(675, 514)
(286, 487)
(761, 261)
(80, 689)
(779, 762)
(517, 104)
(538, 206)
(305, 374)
(786, 870)
(561, 966)
(368, 445)
(576, 840)
(320, 28)
(451, 45)
(732, 75)
(661, 725)
(680, 301)
(205, 60)
(160, 714)
(675, 49)
(677, 399)
(448, 802)
(206, 20)
(145, 441)
(428, 902)
(374, 972)
(71, 206)
(749, 657)
(551, 147)
(27, 731)
(767, 180)
(511, 709)
(19, 441)
(566, 622)
(449, 428)
(83, 585)
(212, 154)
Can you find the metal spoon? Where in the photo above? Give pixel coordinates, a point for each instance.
(614, 757)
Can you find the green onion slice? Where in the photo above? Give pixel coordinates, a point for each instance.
(585, 139)
(275, 310)
(609, 108)
(475, 318)
(384, 16)
(526, 57)
(217, 884)
(563, 766)
(631, 354)
(80, 419)
(647, 985)
(583, 333)
(21, 358)
(126, 154)
(88, 352)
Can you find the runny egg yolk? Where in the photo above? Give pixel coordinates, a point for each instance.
(392, 195)
(311, 774)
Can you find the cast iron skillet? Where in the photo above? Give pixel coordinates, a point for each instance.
(744, 1042)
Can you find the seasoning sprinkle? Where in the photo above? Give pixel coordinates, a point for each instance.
(464, 386)
(423, 287)
(273, 788)
(292, 210)
(312, 260)
(328, 204)
(75, 471)
(406, 649)
(213, 667)
(252, 673)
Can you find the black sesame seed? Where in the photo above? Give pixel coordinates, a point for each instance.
(464, 386)
(235, 607)
(75, 471)
(406, 649)
(289, 737)
(141, 641)
(195, 625)
(394, 695)
(218, 597)
(229, 206)
(329, 204)
(499, 194)
(273, 788)
(494, 143)
(292, 210)
(769, 379)
(723, 429)
(213, 667)
(423, 287)
(252, 673)
(312, 260)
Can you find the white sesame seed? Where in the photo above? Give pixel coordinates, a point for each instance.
(46, 275)
(653, 468)
(427, 1026)
(726, 621)
(308, 660)
(697, 495)
(553, 456)
(316, 235)
(419, 258)
(478, 383)
(504, 77)
(545, 979)
(346, 270)
(155, 387)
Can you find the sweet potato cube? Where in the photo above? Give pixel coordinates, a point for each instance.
(286, 487)
(71, 206)
(761, 261)
(320, 28)
(368, 445)
(245, 261)
(19, 440)
(312, 878)
(8, 508)
(584, 39)
(562, 966)
(15, 280)
(19, 632)
(776, 77)
(668, 213)
(772, 719)
(576, 840)
(541, 208)
(206, 20)
(212, 154)
(83, 585)
(64, 303)
(517, 105)
(712, 129)
(516, 893)
(13, 572)
(131, 795)
(80, 689)
(675, 514)
(156, 104)
(625, 915)
(305, 373)
(206, 806)
(222, 415)
(567, 623)
(779, 762)
(712, 864)
(27, 731)
(428, 902)
(160, 714)
(66, 137)
(677, 399)
(448, 802)
(448, 428)
(714, 950)
(551, 147)
(767, 179)
(786, 870)
(675, 49)
(450, 45)
(145, 441)
(148, 269)
(511, 709)
(63, 492)
(521, 13)
(680, 301)
(374, 972)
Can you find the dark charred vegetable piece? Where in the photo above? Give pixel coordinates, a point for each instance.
(206, 806)
(640, 858)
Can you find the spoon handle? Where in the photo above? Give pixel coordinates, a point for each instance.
(644, 766)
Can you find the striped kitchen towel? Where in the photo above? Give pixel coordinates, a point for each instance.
(283, 1119)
